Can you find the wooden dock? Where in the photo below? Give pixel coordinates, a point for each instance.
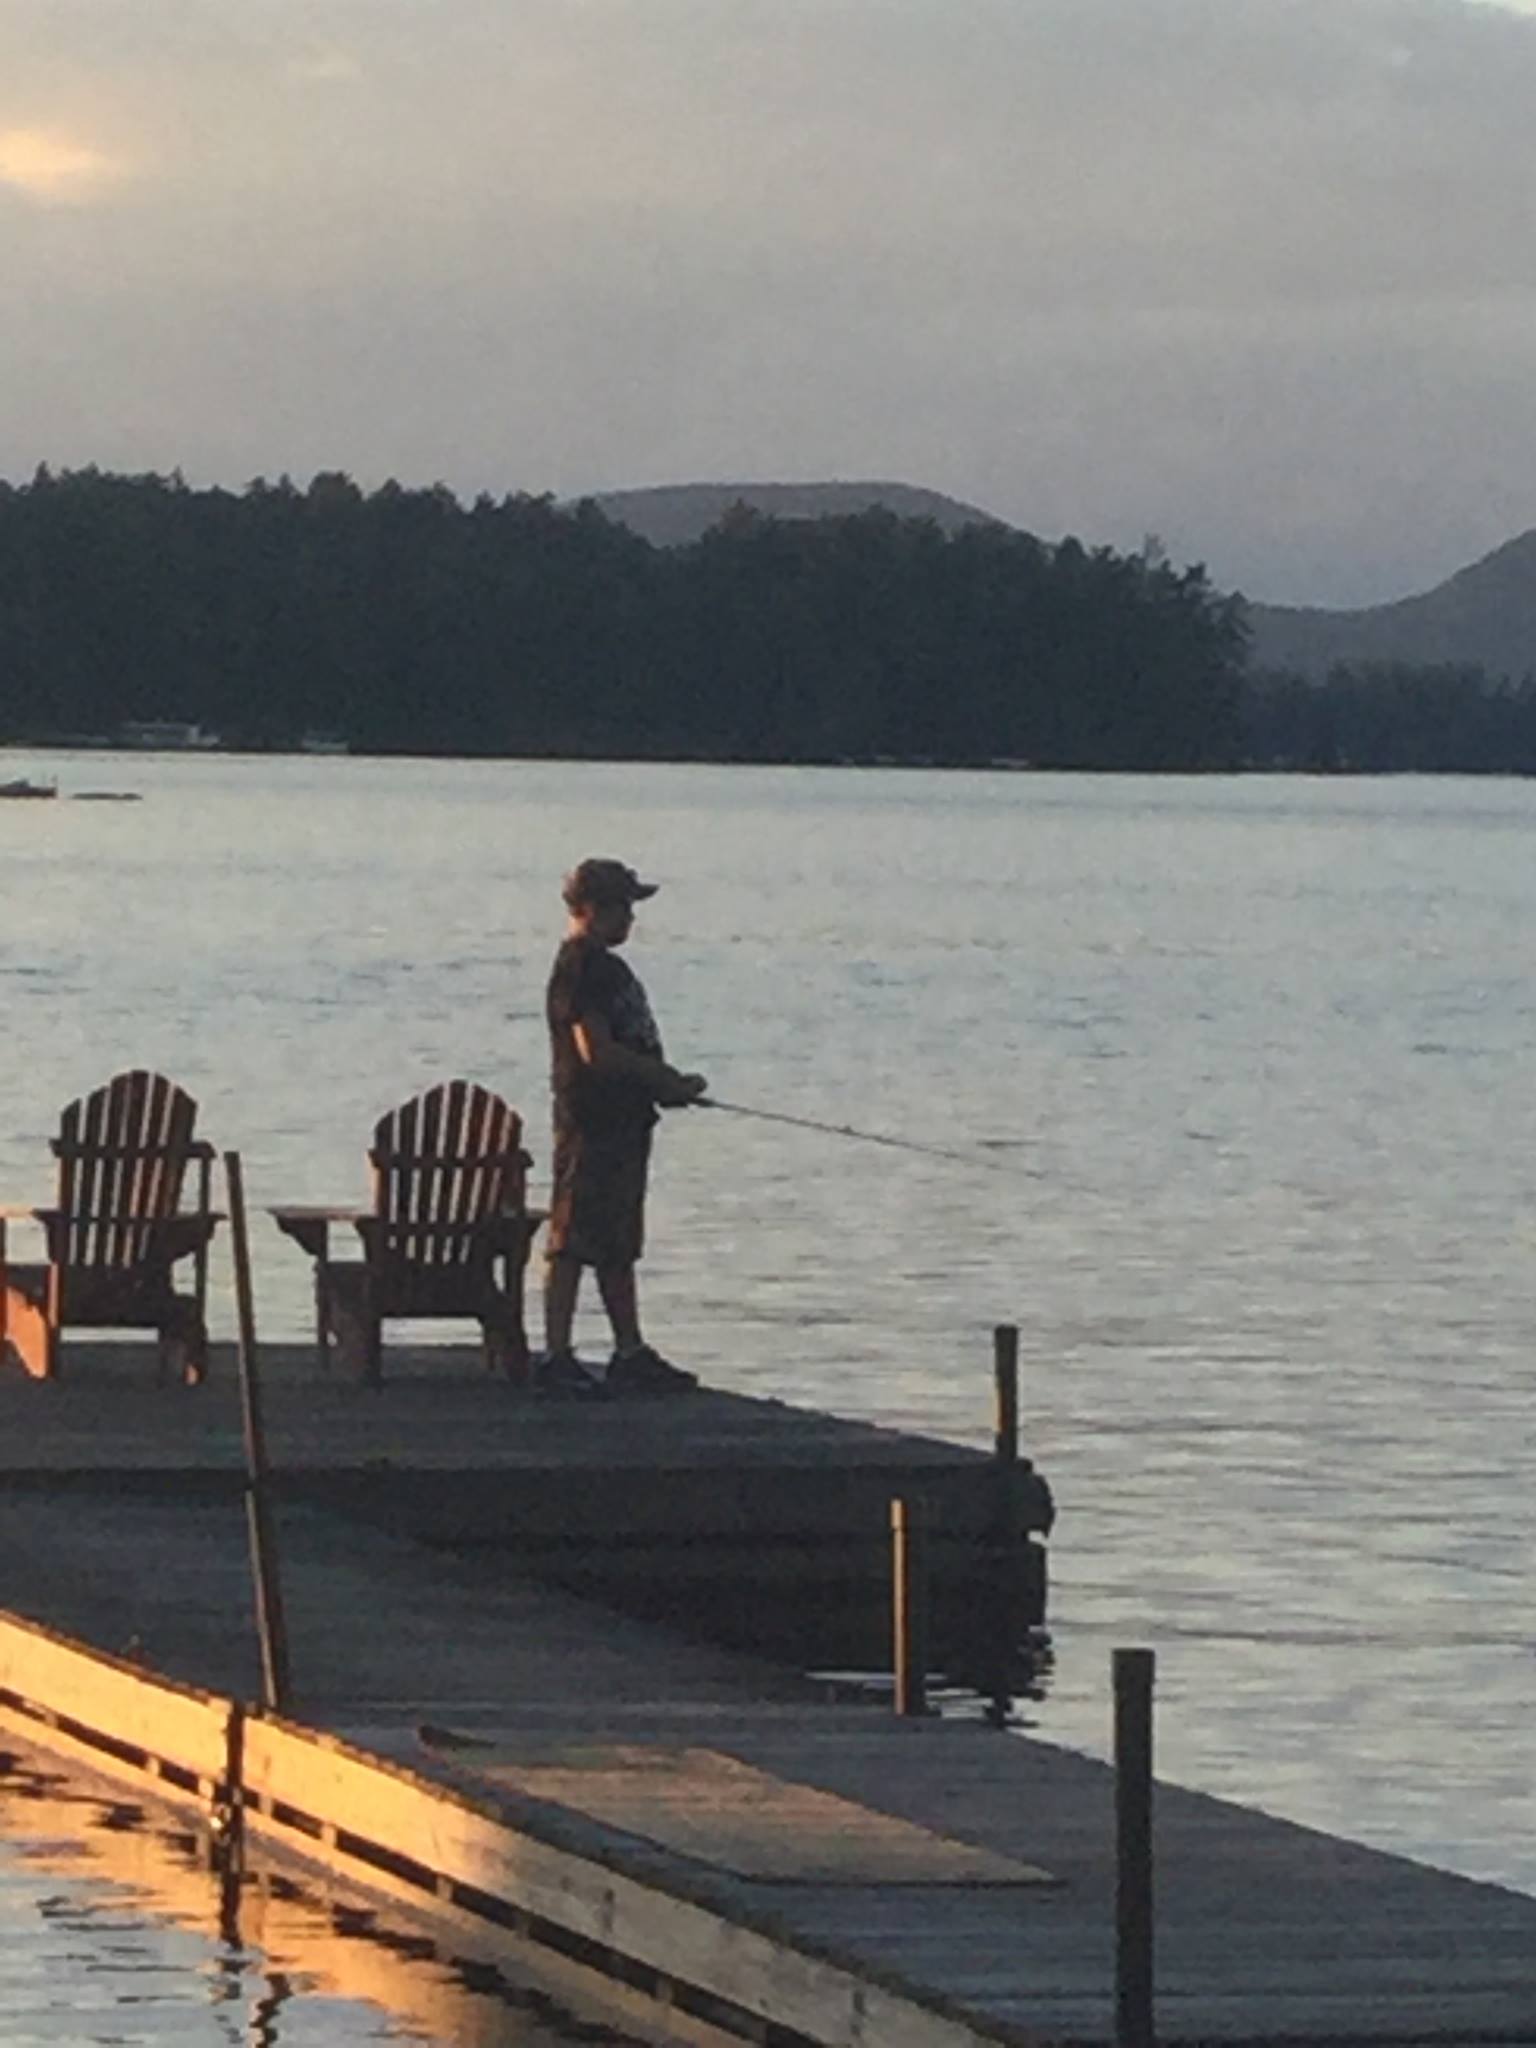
(697, 1829)
(745, 1521)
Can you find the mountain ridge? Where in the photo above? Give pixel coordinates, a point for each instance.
(1484, 615)
(672, 515)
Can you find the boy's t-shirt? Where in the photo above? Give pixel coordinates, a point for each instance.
(589, 980)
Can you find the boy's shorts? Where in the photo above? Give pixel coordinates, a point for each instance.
(597, 1209)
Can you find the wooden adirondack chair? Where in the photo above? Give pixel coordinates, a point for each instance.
(448, 1234)
(116, 1230)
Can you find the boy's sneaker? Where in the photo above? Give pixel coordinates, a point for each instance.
(646, 1372)
(561, 1376)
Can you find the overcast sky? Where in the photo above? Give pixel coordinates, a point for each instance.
(1256, 275)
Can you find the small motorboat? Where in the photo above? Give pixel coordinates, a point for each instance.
(22, 788)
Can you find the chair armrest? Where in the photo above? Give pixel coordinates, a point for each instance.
(309, 1223)
(52, 1223)
(176, 1236)
(516, 1231)
(183, 1235)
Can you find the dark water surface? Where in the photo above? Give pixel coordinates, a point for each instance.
(1248, 1067)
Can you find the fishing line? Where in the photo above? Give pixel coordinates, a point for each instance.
(810, 1123)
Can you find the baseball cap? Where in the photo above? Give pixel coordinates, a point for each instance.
(604, 881)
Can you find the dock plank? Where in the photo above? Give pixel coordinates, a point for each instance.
(439, 1408)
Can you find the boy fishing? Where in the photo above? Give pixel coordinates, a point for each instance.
(608, 1076)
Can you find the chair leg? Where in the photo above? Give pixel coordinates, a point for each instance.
(323, 1324)
(355, 1326)
(184, 1344)
(505, 1346)
(513, 1355)
(32, 1335)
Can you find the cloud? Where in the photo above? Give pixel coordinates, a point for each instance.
(1259, 275)
(326, 67)
(50, 167)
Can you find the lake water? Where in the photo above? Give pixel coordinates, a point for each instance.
(113, 1929)
(1248, 1067)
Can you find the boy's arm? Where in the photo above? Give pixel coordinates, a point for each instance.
(601, 1052)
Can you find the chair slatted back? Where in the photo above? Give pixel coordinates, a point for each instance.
(442, 1163)
(122, 1153)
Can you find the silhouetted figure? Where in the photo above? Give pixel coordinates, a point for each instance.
(608, 1075)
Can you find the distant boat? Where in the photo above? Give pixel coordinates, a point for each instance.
(165, 736)
(107, 796)
(324, 743)
(23, 788)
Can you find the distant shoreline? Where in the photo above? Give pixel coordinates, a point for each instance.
(1241, 771)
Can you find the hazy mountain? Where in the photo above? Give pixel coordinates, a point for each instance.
(673, 514)
(1485, 614)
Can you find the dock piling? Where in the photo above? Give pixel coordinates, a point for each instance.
(909, 1606)
(1134, 1671)
(1005, 1375)
(271, 1623)
(1006, 1534)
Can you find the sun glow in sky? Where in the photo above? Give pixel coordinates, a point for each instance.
(47, 165)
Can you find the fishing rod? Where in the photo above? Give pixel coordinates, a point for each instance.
(811, 1123)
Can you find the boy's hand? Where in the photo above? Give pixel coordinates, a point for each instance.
(681, 1090)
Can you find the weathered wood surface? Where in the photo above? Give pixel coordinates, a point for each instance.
(440, 1410)
(760, 1522)
(79, 1687)
(1266, 1931)
(713, 1808)
(451, 1453)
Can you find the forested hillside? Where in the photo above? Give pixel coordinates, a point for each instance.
(1482, 617)
(406, 621)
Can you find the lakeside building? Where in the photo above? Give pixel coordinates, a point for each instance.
(165, 736)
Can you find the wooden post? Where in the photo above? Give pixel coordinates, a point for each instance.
(909, 1606)
(271, 1624)
(1005, 1521)
(1134, 1671)
(1005, 1374)
(226, 1827)
(200, 1259)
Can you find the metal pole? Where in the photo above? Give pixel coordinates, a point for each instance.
(271, 1625)
(1134, 1671)
(909, 1607)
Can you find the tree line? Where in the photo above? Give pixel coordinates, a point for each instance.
(1392, 717)
(406, 621)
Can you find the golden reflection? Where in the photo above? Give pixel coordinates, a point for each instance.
(275, 1939)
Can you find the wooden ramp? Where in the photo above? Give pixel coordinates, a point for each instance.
(714, 1809)
(444, 1720)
